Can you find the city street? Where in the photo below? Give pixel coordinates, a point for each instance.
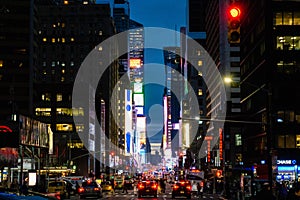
(131, 196)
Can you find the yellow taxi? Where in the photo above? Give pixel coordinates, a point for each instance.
(107, 187)
(57, 187)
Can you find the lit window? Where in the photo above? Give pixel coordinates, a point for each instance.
(64, 127)
(100, 48)
(44, 72)
(238, 140)
(66, 2)
(78, 112)
(79, 127)
(46, 97)
(62, 79)
(63, 40)
(53, 64)
(62, 71)
(200, 92)
(59, 97)
(43, 112)
(53, 40)
(54, 25)
(200, 73)
(44, 39)
(64, 111)
(200, 62)
(100, 32)
(44, 64)
(72, 39)
(1, 63)
(63, 25)
(63, 64)
(72, 63)
(198, 52)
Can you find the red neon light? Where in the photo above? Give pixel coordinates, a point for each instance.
(208, 151)
(221, 143)
(5, 129)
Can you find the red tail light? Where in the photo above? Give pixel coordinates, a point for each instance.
(188, 187)
(148, 182)
(81, 189)
(182, 182)
(97, 189)
(154, 186)
(140, 186)
(176, 187)
(57, 195)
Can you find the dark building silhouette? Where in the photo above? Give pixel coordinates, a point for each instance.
(270, 87)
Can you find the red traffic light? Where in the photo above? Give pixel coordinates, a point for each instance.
(234, 12)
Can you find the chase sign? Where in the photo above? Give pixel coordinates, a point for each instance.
(286, 162)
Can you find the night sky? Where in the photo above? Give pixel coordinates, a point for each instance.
(170, 14)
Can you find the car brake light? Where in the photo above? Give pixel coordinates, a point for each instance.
(141, 186)
(176, 186)
(80, 189)
(57, 195)
(182, 182)
(148, 182)
(154, 186)
(188, 187)
(97, 189)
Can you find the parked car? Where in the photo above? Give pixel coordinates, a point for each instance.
(182, 188)
(90, 188)
(147, 187)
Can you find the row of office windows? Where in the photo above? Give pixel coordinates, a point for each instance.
(46, 112)
(286, 18)
(288, 42)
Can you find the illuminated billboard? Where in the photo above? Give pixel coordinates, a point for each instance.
(135, 63)
(138, 99)
(128, 122)
(139, 110)
(138, 87)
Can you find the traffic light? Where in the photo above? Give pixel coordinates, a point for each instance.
(234, 24)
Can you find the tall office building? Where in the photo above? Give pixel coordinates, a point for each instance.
(227, 60)
(270, 88)
(171, 141)
(17, 57)
(193, 60)
(66, 35)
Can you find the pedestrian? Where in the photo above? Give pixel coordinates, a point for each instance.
(69, 189)
(77, 186)
(125, 185)
(200, 189)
